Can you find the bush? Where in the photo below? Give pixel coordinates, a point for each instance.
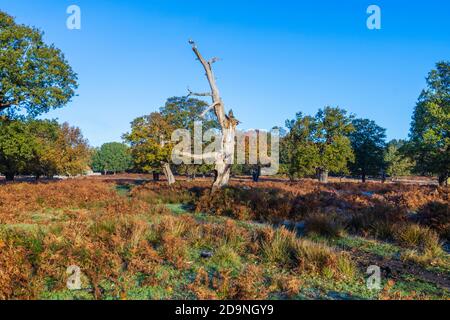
(436, 215)
(15, 272)
(283, 248)
(245, 203)
(377, 221)
(417, 237)
(330, 225)
(321, 259)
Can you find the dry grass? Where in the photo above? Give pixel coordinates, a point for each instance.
(417, 237)
(282, 247)
(326, 224)
(436, 215)
(369, 209)
(46, 227)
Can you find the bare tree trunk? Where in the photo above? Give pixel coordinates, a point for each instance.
(168, 173)
(443, 179)
(166, 166)
(256, 173)
(225, 158)
(323, 175)
(227, 123)
(9, 176)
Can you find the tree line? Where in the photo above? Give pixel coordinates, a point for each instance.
(333, 141)
(329, 142)
(36, 78)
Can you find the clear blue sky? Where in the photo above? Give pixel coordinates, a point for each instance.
(279, 57)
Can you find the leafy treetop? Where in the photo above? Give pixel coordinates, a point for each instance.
(34, 77)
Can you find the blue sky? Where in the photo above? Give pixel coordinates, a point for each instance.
(278, 57)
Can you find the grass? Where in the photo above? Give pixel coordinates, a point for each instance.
(422, 238)
(329, 225)
(132, 243)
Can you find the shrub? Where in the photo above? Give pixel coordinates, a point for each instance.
(226, 257)
(330, 225)
(377, 221)
(15, 272)
(249, 285)
(417, 237)
(287, 251)
(436, 215)
(281, 249)
(288, 284)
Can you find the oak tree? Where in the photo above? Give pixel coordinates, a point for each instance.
(430, 129)
(34, 76)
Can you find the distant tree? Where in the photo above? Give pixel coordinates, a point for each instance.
(368, 143)
(333, 127)
(182, 113)
(41, 147)
(72, 154)
(34, 76)
(319, 144)
(397, 163)
(112, 157)
(150, 143)
(17, 147)
(299, 151)
(430, 128)
(45, 133)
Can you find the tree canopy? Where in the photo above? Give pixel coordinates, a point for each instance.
(397, 163)
(17, 146)
(182, 113)
(34, 77)
(430, 128)
(298, 148)
(319, 144)
(112, 157)
(368, 143)
(42, 147)
(150, 142)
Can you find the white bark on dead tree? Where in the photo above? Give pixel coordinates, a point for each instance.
(168, 173)
(225, 155)
(166, 166)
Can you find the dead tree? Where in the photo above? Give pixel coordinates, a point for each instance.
(168, 173)
(166, 166)
(223, 157)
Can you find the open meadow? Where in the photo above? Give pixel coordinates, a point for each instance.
(220, 159)
(133, 238)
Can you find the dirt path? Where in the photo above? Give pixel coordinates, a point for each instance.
(396, 269)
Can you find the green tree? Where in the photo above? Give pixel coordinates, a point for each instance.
(71, 152)
(151, 148)
(45, 133)
(17, 147)
(397, 163)
(41, 147)
(333, 127)
(182, 113)
(112, 157)
(319, 144)
(368, 143)
(34, 76)
(299, 152)
(430, 128)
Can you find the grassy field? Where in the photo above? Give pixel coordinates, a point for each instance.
(134, 239)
